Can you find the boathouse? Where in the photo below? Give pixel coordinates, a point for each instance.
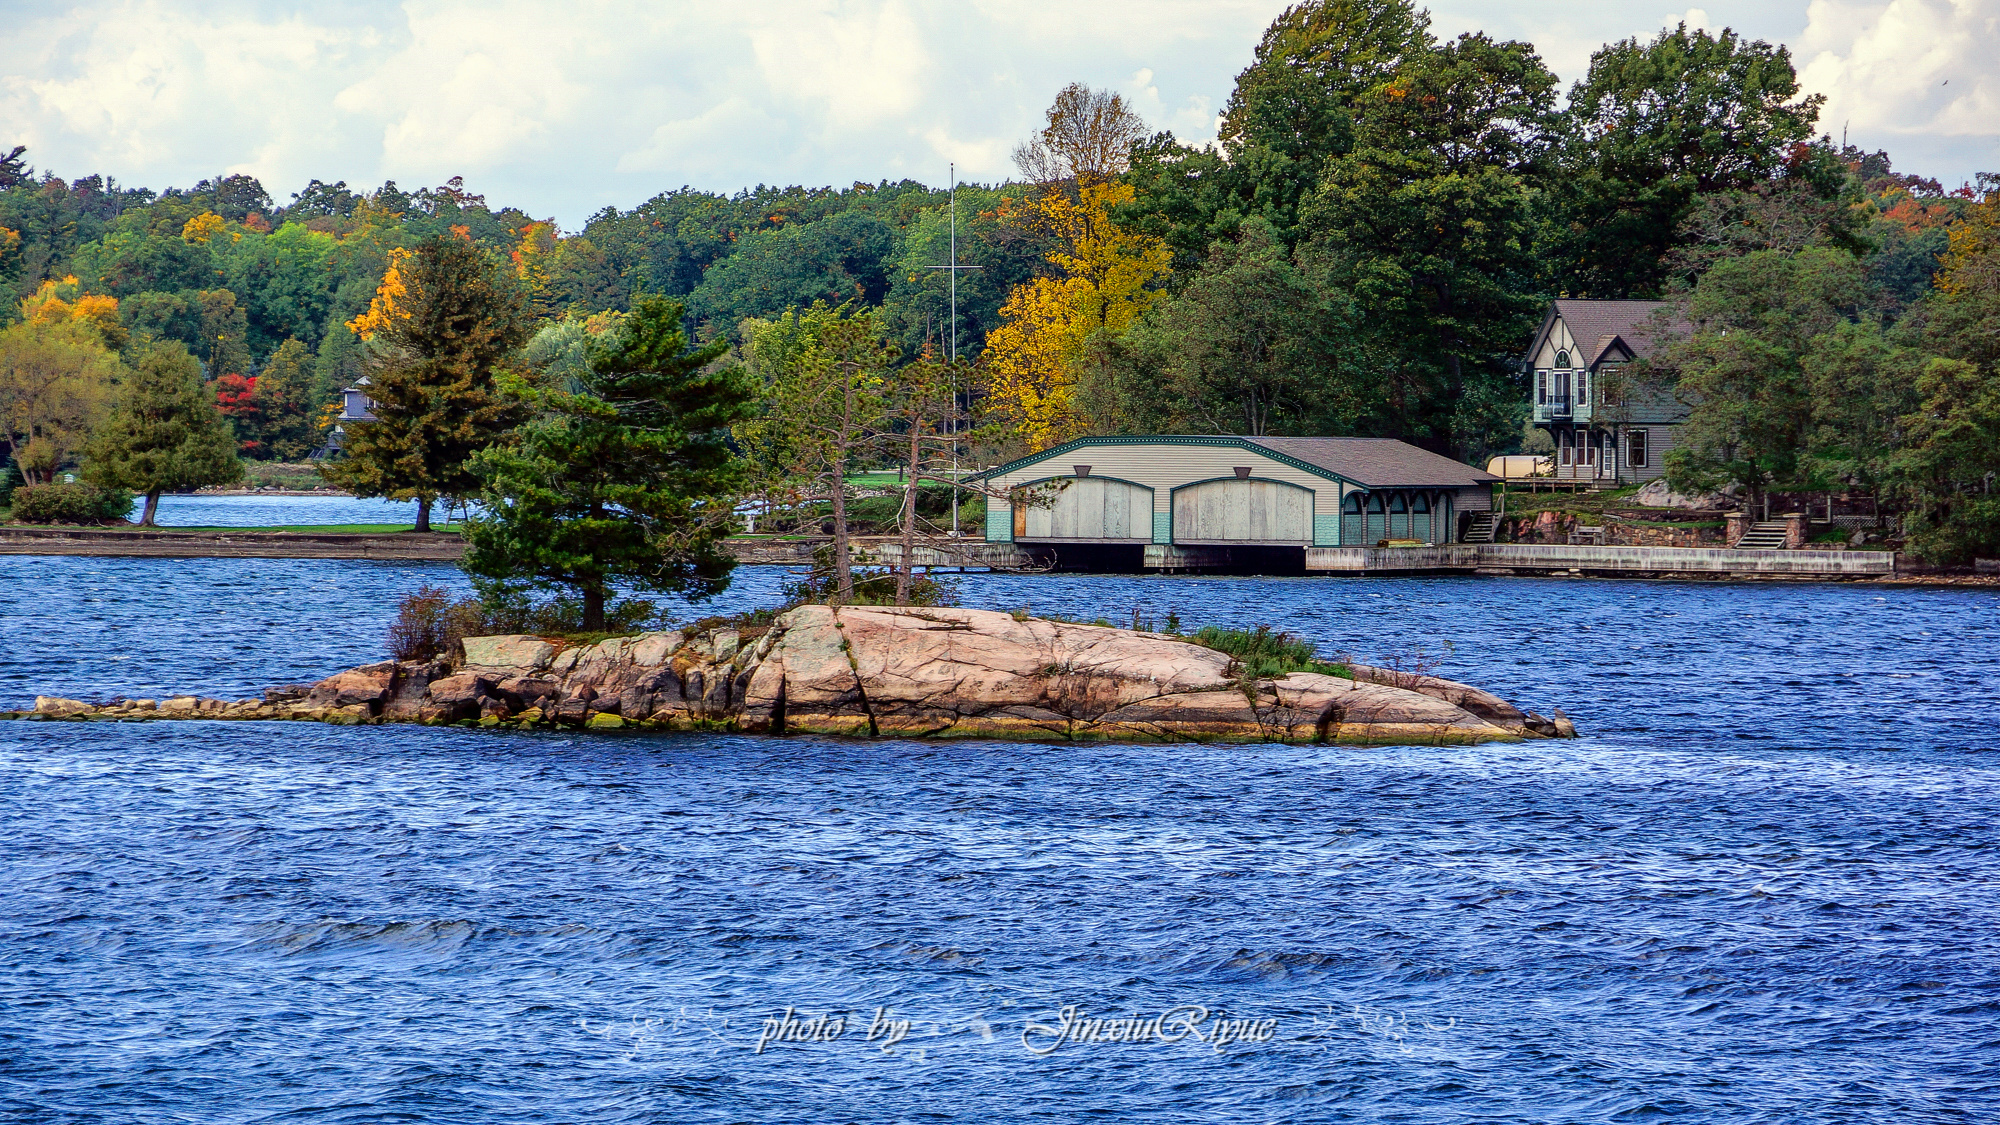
(1227, 502)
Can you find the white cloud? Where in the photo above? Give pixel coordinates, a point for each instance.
(1914, 76)
(562, 107)
(1696, 19)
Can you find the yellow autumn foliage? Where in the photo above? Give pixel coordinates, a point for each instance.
(58, 301)
(1034, 360)
(384, 311)
(1974, 241)
(204, 227)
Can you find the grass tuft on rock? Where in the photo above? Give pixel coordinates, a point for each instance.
(1265, 653)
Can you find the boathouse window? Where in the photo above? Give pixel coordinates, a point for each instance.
(1636, 449)
(1351, 505)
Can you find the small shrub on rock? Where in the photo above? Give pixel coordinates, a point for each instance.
(430, 625)
(70, 504)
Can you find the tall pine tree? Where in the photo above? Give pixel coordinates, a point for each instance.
(443, 322)
(626, 481)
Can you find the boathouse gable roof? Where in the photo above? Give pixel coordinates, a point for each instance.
(1365, 463)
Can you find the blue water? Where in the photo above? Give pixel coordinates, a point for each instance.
(1761, 888)
(198, 510)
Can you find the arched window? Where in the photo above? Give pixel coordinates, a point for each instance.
(1351, 505)
(1421, 504)
(1397, 504)
(1562, 359)
(1375, 502)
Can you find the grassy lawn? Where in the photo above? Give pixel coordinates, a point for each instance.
(309, 528)
(1580, 503)
(890, 479)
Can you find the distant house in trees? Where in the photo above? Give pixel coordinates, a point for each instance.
(1605, 428)
(355, 406)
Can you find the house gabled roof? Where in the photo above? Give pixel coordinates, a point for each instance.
(1367, 462)
(1598, 326)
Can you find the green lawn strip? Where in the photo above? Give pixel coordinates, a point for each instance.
(304, 528)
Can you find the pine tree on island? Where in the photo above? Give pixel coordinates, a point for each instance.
(443, 322)
(625, 481)
(166, 435)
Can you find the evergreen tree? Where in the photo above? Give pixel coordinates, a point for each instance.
(444, 320)
(284, 401)
(626, 481)
(166, 435)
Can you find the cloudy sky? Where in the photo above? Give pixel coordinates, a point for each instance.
(564, 107)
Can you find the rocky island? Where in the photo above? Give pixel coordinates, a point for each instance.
(882, 672)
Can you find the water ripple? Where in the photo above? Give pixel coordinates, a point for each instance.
(1759, 891)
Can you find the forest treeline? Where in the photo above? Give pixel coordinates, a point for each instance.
(1365, 249)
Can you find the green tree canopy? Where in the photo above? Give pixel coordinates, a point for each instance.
(1743, 369)
(1426, 230)
(1243, 348)
(841, 258)
(284, 402)
(1653, 126)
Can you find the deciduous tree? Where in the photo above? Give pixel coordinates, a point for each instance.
(1654, 125)
(1426, 232)
(56, 383)
(1035, 361)
(285, 402)
(824, 372)
(1242, 348)
(1742, 369)
(1088, 139)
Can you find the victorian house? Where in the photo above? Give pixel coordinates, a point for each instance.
(1606, 428)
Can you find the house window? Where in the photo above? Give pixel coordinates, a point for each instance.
(1582, 388)
(1542, 387)
(1565, 447)
(1635, 452)
(1562, 359)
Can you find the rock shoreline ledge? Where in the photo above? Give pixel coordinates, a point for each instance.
(880, 672)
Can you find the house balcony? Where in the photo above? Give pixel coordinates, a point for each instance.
(1562, 408)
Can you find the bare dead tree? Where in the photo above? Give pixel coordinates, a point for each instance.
(1088, 138)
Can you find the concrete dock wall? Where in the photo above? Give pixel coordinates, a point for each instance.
(1641, 560)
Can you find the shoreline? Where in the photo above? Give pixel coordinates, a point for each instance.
(448, 546)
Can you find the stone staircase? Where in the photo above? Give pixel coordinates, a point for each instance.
(1766, 536)
(1479, 528)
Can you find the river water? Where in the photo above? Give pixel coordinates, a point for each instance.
(212, 510)
(1760, 889)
